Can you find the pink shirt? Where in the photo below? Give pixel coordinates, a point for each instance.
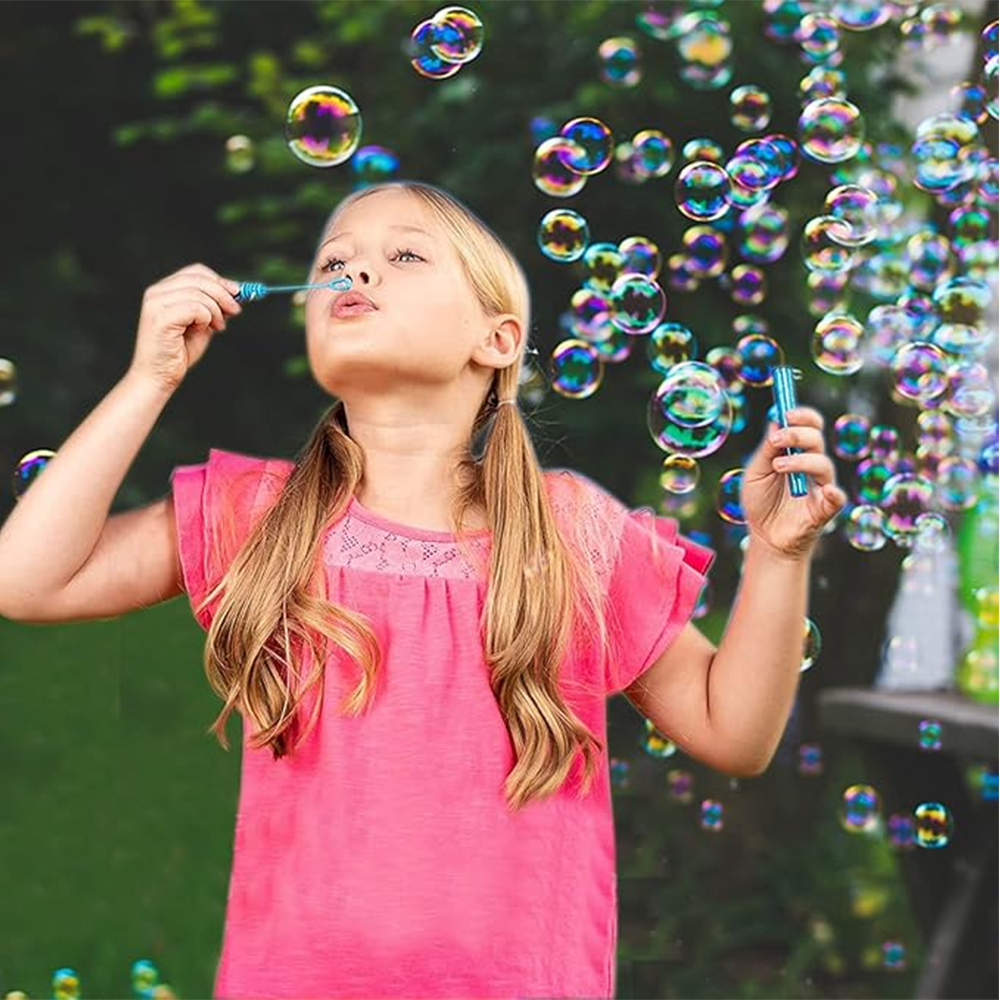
(381, 859)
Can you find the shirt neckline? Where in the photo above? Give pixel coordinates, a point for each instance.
(357, 509)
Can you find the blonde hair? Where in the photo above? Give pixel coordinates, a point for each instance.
(543, 592)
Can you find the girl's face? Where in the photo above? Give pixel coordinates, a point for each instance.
(426, 325)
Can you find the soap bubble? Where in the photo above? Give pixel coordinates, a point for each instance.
(702, 190)
(620, 61)
(818, 35)
(823, 247)
(764, 231)
(373, 165)
(933, 825)
(856, 207)
(727, 501)
(668, 345)
(863, 529)
(640, 255)
(850, 436)
(861, 809)
(28, 469)
(602, 265)
(590, 145)
(323, 126)
(702, 148)
(239, 154)
(459, 35)
(747, 284)
(904, 499)
(680, 474)
(836, 344)
(576, 369)
(690, 412)
(929, 731)
(637, 303)
(811, 645)
(652, 153)
(860, 15)
(831, 130)
(710, 815)
(920, 371)
(424, 57)
(759, 355)
(551, 174)
(563, 235)
(750, 108)
(705, 251)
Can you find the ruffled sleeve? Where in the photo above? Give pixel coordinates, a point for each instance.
(216, 504)
(657, 579)
(652, 575)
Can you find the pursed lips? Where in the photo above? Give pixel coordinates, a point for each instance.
(350, 303)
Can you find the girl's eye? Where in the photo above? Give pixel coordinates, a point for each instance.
(331, 262)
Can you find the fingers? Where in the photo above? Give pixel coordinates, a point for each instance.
(806, 438)
(818, 466)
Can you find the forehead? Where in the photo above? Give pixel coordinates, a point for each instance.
(386, 208)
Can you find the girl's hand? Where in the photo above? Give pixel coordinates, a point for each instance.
(180, 315)
(790, 526)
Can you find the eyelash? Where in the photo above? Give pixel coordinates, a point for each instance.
(399, 252)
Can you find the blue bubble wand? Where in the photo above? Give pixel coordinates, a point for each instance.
(253, 291)
(783, 387)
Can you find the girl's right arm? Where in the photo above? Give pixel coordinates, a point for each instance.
(61, 557)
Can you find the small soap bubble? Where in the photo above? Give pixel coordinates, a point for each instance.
(28, 469)
(821, 82)
(590, 145)
(850, 436)
(863, 529)
(727, 498)
(902, 830)
(920, 372)
(374, 165)
(680, 474)
(459, 35)
(620, 61)
(602, 266)
(323, 126)
(680, 785)
(823, 247)
(861, 15)
(764, 233)
(8, 382)
(710, 815)
(652, 153)
(747, 284)
(705, 251)
(702, 190)
(811, 646)
(930, 734)
(857, 207)
(759, 354)
(933, 825)
(563, 235)
(860, 809)
(894, 955)
(637, 303)
(655, 743)
(549, 170)
(810, 759)
(423, 53)
(904, 498)
(750, 108)
(668, 345)
(576, 369)
(831, 130)
(239, 154)
(640, 256)
(819, 36)
(702, 148)
(836, 344)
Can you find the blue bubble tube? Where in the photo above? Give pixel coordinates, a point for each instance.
(783, 387)
(253, 291)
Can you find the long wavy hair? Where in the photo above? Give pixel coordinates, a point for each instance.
(542, 595)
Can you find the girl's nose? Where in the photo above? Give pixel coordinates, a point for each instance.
(363, 277)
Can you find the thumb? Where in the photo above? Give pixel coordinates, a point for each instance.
(834, 500)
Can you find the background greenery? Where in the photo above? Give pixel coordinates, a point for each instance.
(116, 809)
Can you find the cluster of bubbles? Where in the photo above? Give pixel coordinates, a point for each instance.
(931, 824)
(144, 979)
(441, 45)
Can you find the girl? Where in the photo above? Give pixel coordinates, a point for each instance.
(419, 628)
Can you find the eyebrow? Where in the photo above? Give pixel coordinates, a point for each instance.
(407, 229)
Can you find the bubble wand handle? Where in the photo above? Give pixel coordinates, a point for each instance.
(253, 291)
(783, 387)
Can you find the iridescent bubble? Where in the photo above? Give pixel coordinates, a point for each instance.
(591, 145)
(968, 100)
(373, 165)
(652, 153)
(942, 21)
(920, 371)
(590, 314)
(821, 82)
(828, 292)
(929, 256)
(8, 382)
(703, 42)
(969, 224)
(935, 433)
(563, 235)
(239, 154)
(759, 354)
(823, 247)
(904, 499)
(850, 436)
(323, 126)
(747, 284)
(679, 278)
(702, 190)
(637, 303)
(863, 528)
(782, 19)
(750, 108)
(764, 231)
(831, 130)
(616, 347)
(679, 785)
(705, 251)
(690, 413)
(788, 151)
(962, 301)
(576, 369)
(424, 57)
(861, 15)
(856, 206)
(655, 743)
(549, 170)
(970, 390)
(861, 809)
(943, 152)
(933, 825)
(836, 344)
(957, 483)
(990, 74)
(668, 345)
(811, 645)
(28, 469)
(680, 474)
(756, 164)
(901, 830)
(883, 442)
(459, 37)
(710, 815)
(727, 361)
(640, 256)
(818, 35)
(602, 264)
(989, 40)
(872, 475)
(727, 498)
(620, 61)
(893, 955)
(702, 148)
(810, 759)
(655, 23)
(929, 734)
